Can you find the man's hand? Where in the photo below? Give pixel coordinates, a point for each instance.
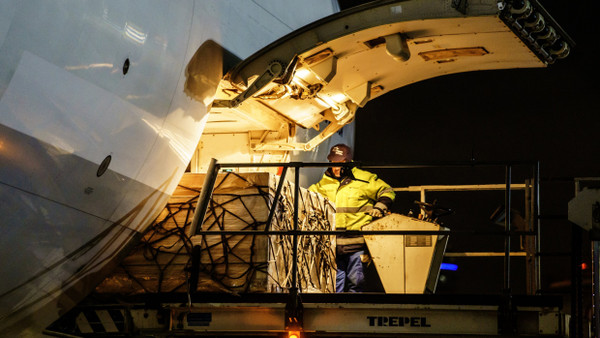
(378, 211)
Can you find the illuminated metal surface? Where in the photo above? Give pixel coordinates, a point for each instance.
(83, 81)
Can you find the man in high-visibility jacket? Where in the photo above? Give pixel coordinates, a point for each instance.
(359, 196)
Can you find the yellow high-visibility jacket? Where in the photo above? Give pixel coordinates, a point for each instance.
(353, 196)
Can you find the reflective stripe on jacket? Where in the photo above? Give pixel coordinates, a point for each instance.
(353, 196)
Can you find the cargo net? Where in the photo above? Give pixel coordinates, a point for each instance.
(232, 263)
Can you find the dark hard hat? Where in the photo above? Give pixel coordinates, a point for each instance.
(340, 153)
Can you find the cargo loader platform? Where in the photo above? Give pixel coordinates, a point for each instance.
(321, 315)
(255, 267)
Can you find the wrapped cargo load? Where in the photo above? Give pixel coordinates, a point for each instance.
(236, 263)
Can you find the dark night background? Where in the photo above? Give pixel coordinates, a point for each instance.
(548, 115)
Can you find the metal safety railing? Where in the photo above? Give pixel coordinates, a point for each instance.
(533, 280)
(285, 217)
(295, 232)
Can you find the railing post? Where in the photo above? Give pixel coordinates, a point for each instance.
(199, 212)
(205, 194)
(576, 323)
(508, 320)
(294, 308)
(295, 237)
(507, 229)
(536, 224)
(595, 288)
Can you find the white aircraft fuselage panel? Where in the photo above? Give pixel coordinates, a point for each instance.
(96, 130)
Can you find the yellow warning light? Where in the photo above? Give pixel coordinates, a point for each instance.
(293, 334)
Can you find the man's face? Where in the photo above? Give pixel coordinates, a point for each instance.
(337, 171)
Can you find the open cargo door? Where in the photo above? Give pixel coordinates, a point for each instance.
(316, 77)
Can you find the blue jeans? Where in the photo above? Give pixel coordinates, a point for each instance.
(350, 272)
